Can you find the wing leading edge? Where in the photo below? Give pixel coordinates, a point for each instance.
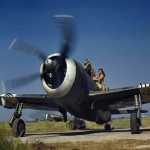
(30, 101)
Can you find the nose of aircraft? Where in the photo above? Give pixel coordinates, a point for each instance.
(49, 63)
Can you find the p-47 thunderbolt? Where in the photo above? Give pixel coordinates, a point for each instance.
(70, 89)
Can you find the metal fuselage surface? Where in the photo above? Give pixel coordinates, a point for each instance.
(72, 93)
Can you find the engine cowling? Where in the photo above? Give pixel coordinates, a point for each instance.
(62, 80)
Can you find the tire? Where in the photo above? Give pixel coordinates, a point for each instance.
(107, 127)
(72, 125)
(18, 128)
(134, 124)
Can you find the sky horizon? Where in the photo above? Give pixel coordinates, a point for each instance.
(113, 35)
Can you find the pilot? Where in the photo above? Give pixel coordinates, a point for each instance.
(89, 69)
(100, 80)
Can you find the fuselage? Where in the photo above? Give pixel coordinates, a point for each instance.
(73, 93)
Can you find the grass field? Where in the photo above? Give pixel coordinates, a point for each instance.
(53, 126)
(8, 143)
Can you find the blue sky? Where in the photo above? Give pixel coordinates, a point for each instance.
(112, 34)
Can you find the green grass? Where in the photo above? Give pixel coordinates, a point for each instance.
(53, 126)
(8, 143)
(42, 126)
(120, 123)
(5, 129)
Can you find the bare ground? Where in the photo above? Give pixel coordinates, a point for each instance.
(85, 135)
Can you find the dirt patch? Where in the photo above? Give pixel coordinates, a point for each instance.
(85, 135)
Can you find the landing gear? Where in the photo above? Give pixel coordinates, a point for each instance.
(72, 125)
(76, 123)
(18, 128)
(17, 124)
(134, 124)
(135, 118)
(107, 127)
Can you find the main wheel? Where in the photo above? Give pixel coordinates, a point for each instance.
(72, 125)
(18, 128)
(107, 127)
(134, 124)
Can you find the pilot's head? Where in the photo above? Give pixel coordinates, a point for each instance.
(101, 71)
(86, 62)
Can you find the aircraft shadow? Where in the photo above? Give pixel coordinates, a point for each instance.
(82, 132)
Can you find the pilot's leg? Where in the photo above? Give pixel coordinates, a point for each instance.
(103, 87)
(99, 86)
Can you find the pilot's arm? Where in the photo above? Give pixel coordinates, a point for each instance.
(98, 77)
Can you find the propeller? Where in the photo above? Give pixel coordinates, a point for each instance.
(7, 85)
(65, 22)
(27, 48)
(67, 26)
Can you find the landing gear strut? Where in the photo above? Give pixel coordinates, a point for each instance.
(17, 124)
(135, 118)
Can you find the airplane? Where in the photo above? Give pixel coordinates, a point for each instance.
(53, 117)
(70, 89)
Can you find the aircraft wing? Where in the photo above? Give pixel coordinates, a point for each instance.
(30, 101)
(120, 98)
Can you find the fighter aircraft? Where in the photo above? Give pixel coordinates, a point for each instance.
(70, 89)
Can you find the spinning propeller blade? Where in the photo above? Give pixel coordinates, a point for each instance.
(66, 24)
(7, 85)
(24, 47)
